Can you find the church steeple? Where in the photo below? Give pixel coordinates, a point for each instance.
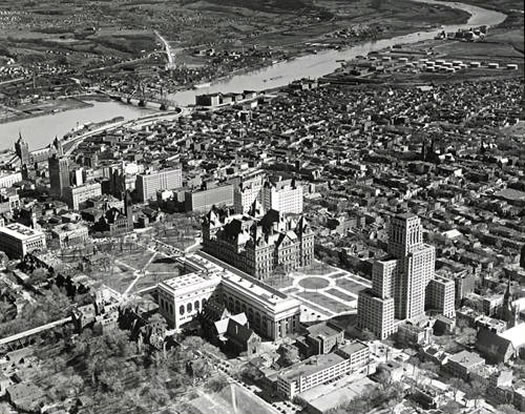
(58, 147)
(22, 150)
(128, 209)
(508, 311)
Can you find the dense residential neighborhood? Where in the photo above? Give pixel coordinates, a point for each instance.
(350, 243)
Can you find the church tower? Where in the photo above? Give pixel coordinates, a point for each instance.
(22, 150)
(128, 210)
(57, 145)
(508, 311)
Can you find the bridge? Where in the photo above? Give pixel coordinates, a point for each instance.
(140, 98)
(21, 339)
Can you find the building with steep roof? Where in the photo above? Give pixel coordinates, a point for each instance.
(258, 243)
(493, 347)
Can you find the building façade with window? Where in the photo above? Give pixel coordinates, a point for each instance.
(258, 243)
(270, 313)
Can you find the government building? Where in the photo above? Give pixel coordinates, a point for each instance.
(18, 240)
(404, 283)
(258, 243)
(270, 313)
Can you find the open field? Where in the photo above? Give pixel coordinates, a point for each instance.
(85, 33)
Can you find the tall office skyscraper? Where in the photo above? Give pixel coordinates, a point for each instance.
(398, 282)
(416, 264)
(58, 174)
(22, 150)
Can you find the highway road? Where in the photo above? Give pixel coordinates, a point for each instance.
(171, 59)
(72, 144)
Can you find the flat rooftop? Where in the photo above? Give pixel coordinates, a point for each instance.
(352, 347)
(311, 366)
(19, 231)
(467, 359)
(323, 330)
(327, 396)
(189, 281)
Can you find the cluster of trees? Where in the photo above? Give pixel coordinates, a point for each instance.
(51, 306)
(118, 376)
(289, 355)
(386, 395)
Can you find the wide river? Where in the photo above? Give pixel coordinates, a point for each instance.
(39, 131)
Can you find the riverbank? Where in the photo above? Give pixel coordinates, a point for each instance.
(310, 43)
(275, 76)
(33, 110)
(48, 107)
(40, 131)
(374, 23)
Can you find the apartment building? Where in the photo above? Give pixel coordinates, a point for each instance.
(147, 185)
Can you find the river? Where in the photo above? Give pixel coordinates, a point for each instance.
(39, 131)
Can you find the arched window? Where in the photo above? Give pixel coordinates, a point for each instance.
(197, 305)
(181, 309)
(189, 307)
(204, 301)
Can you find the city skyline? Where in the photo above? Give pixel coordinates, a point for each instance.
(262, 207)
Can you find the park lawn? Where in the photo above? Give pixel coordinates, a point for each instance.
(314, 283)
(338, 275)
(350, 285)
(317, 268)
(118, 277)
(324, 301)
(341, 295)
(137, 259)
(165, 265)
